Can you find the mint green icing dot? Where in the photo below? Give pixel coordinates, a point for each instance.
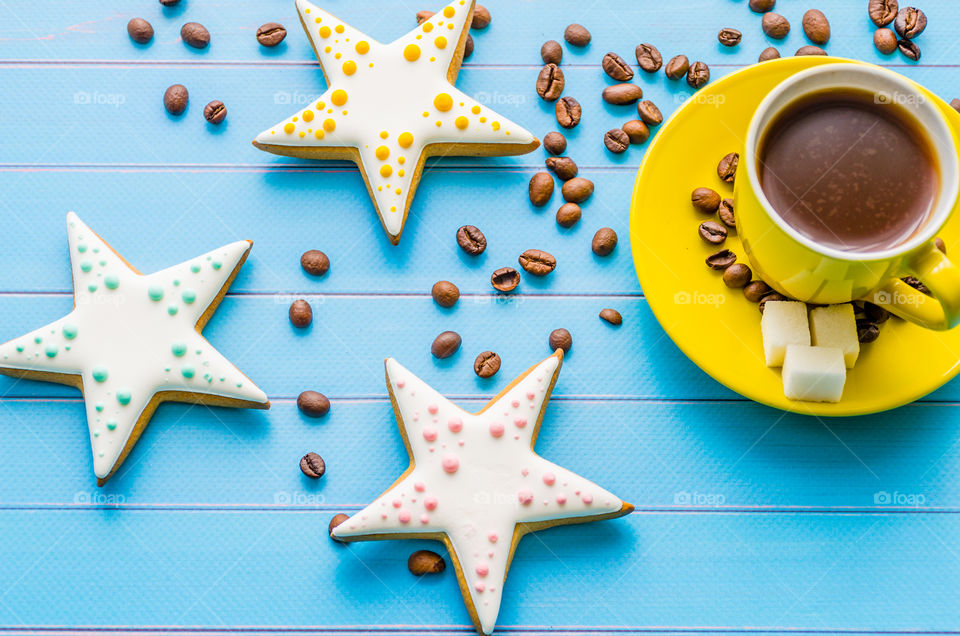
(96, 250)
(239, 384)
(172, 310)
(100, 374)
(111, 425)
(166, 369)
(188, 371)
(37, 339)
(69, 331)
(179, 349)
(189, 296)
(216, 264)
(67, 347)
(111, 281)
(99, 407)
(195, 268)
(91, 287)
(52, 351)
(176, 282)
(103, 263)
(19, 348)
(123, 396)
(96, 433)
(86, 266)
(155, 292)
(81, 248)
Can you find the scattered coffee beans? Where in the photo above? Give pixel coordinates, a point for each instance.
(445, 345)
(335, 521)
(727, 168)
(564, 167)
(910, 22)
(537, 262)
(505, 279)
(445, 293)
(705, 200)
(175, 99)
(468, 47)
(771, 297)
(882, 12)
(698, 74)
(677, 67)
(551, 52)
(816, 27)
(568, 215)
(315, 262)
(550, 82)
(867, 331)
(648, 57)
(737, 276)
(621, 94)
(487, 364)
(471, 240)
(425, 562)
(568, 112)
(917, 284)
(616, 141)
(721, 260)
(540, 189)
(195, 34)
(555, 143)
(616, 67)
(725, 212)
(423, 16)
(885, 40)
(729, 37)
(636, 130)
(560, 339)
(875, 313)
(169, 3)
(775, 25)
(769, 53)
(612, 316)
(712, 232)
(301, 314)
(909, 49)
(940, 245)
(577, 35)
(271, 34)
(139, 30)
(313, 404)
(810, 50)
(577, 190)
(955, 104)
(649, 113)
(761, 6)
(215, 112)
(312, 466)
(604, 241)
(481, 17)
(756, 290)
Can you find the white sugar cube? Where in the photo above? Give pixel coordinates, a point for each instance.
(835, 326)
(783, 323)
(814, 374)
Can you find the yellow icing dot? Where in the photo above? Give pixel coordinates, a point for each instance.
(386, 171)
(448, 12)
(382, 153)
(393, 208)
(412, 52)
(439, 123)
(461, 122)
(306, 10)
(302, 134)
(427, 27)
(349, 67)
(344, 111)
(370, 65)
(308, 115)
(337, 56)
(362, 47)
(461, 104)
(399, 191)
(441, 42)
(321, 105)
(401, 173)
(475, 110)
(496, 125)
(433, 59)
(329, 125)
(317, 20)
(338, 28)
(324, 31)
(426, 114)
(384, 134)
(339, 97)
(443, 102)
(419, 37)
(327, 49)
(450, 26)
(405, 140)
(483, 120)
(401, 160)
(296, 119)
(288, 128)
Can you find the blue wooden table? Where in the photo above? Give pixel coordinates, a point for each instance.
(747, 520)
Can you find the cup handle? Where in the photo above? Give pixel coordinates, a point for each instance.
(939, 312)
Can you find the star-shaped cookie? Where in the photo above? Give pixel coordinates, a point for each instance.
(133, 341)
(475, 483)
(388, 107)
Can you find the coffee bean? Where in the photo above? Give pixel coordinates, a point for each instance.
(698, 74)
(761, 6)
(955, 104)
(315, 262)
(425, 562)
(875, 313)
(677, 67)
(917, 284)
(810, 50)
(621, 94)
(940, 245)
(649, 113)
(612, 316)
(568, 112)
(616, 67)
(169, 3)
(725, 212)
(335, 521)
(564, 167)
(445, 345)
(636, 130)
(551, 52)
(909, 49)
(769, 53)
(771, 297)
(271, 34)
(721, 260)
(705, 200)
(175, 99)
(423, 16)
(648, 57)
(775, 25)
(604, 241)
(756, 290)
(616, 141)
(867, 331)
(882, 12)
(195, 34)
(139, 30)
(445, 293)
(215, 112)
(910, 22)
(312, 466)
(712, 232)
(468, 47)
(550, 82)
(505, 279)
(560, 339)
(555, 143)
(577, 35)
(540, 189)
(729, 37)
(577, 190)
(816, 27)
(568, 215)
(471, 240)
(727, 168)
(313, 404)
(301, 314)
(737, 276)
(885, 40)
(481, 17)
(537, 262)
(486, 364)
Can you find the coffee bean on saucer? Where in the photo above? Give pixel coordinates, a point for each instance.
(471, 240)
(551, 52)
(315, 262)
(698, 74)
(940, 245)
(761, 6)
(917, 284)
(875, 313)
(537, 262)
(705, 200)
(568, 112)
(616, 141)
(816, 27)
(568, 215)
(301, 314)
(604, 241)
(885, 40)
(577, 190)
(335, 521)
(769, 53)
(867, 331)
(910, 22)
(677, 67)
(175, 99)
(554, 143)
(215, 112)
(616, 67)
(727, 168)
(756, 290)
(425, 562)
(195, 34)
(481, 17)
(577, 35)
(612, 316)
(445, 345)
(550, 83)
(540, 189)
(771, 297)
(775, 25)
(139, 30)
(649, 113)
(712, 232)
(636, 130)
(423, 16)
(564, 167)
(809, 50)
(725, 212)
(737, 276)
(487, 364)
(468, 47)
(313, 404)
(649, 58)
(882, 12)
(313, 466)
(560, 339)
(445, 293)
(721, 260)
(621, 94)
(909, 49)
(729, 37)
(271, 34)
(505, 279)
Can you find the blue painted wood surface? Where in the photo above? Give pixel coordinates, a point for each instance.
(748, 520)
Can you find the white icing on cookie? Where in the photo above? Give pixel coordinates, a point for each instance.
(391, 101)
(475, 477)
(132, 336)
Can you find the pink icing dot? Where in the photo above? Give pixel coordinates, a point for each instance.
(516, 404)
(455, 425)
(424, 519)
(492, 537)
(461, 443)
(561, 499)
(525, 496)
(429, 433)
(383, 516)
(404, 516)
(432, 408)
(396, 503)
(520, 422)
(401, 384)
(549, 478)
(531, 395)
(496, 429)
(419, 486)
(430, 503)
(480, 587)
(483, 569)
(524, 471)
(587, 498)
(450, 463)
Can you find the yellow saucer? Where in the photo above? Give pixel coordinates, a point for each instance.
(716, 326)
